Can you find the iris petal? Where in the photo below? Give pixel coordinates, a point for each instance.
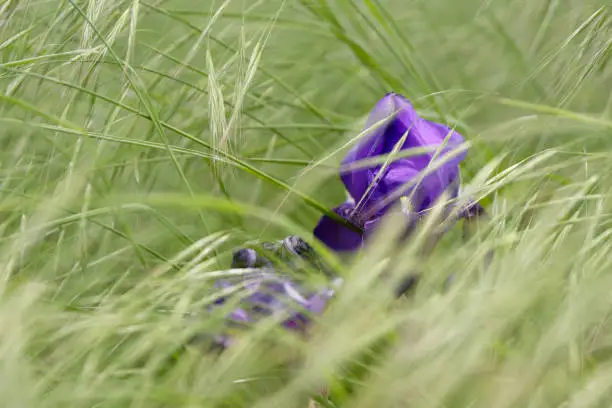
(404, 124)
(269, 293)
(371, 144)
(376, 189)
(336, 235)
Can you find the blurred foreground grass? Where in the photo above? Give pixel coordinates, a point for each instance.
(142, 141)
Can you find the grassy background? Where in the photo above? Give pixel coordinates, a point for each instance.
(142, 141)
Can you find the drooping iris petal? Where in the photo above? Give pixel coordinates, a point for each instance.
(336, 235)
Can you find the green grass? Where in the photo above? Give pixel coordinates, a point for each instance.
(143, 141)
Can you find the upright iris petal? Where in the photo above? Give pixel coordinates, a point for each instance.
(393, 125)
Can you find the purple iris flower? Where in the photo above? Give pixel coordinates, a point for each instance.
(267, 293)
(393, 126)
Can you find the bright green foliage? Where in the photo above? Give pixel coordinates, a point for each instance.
(144, 140)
